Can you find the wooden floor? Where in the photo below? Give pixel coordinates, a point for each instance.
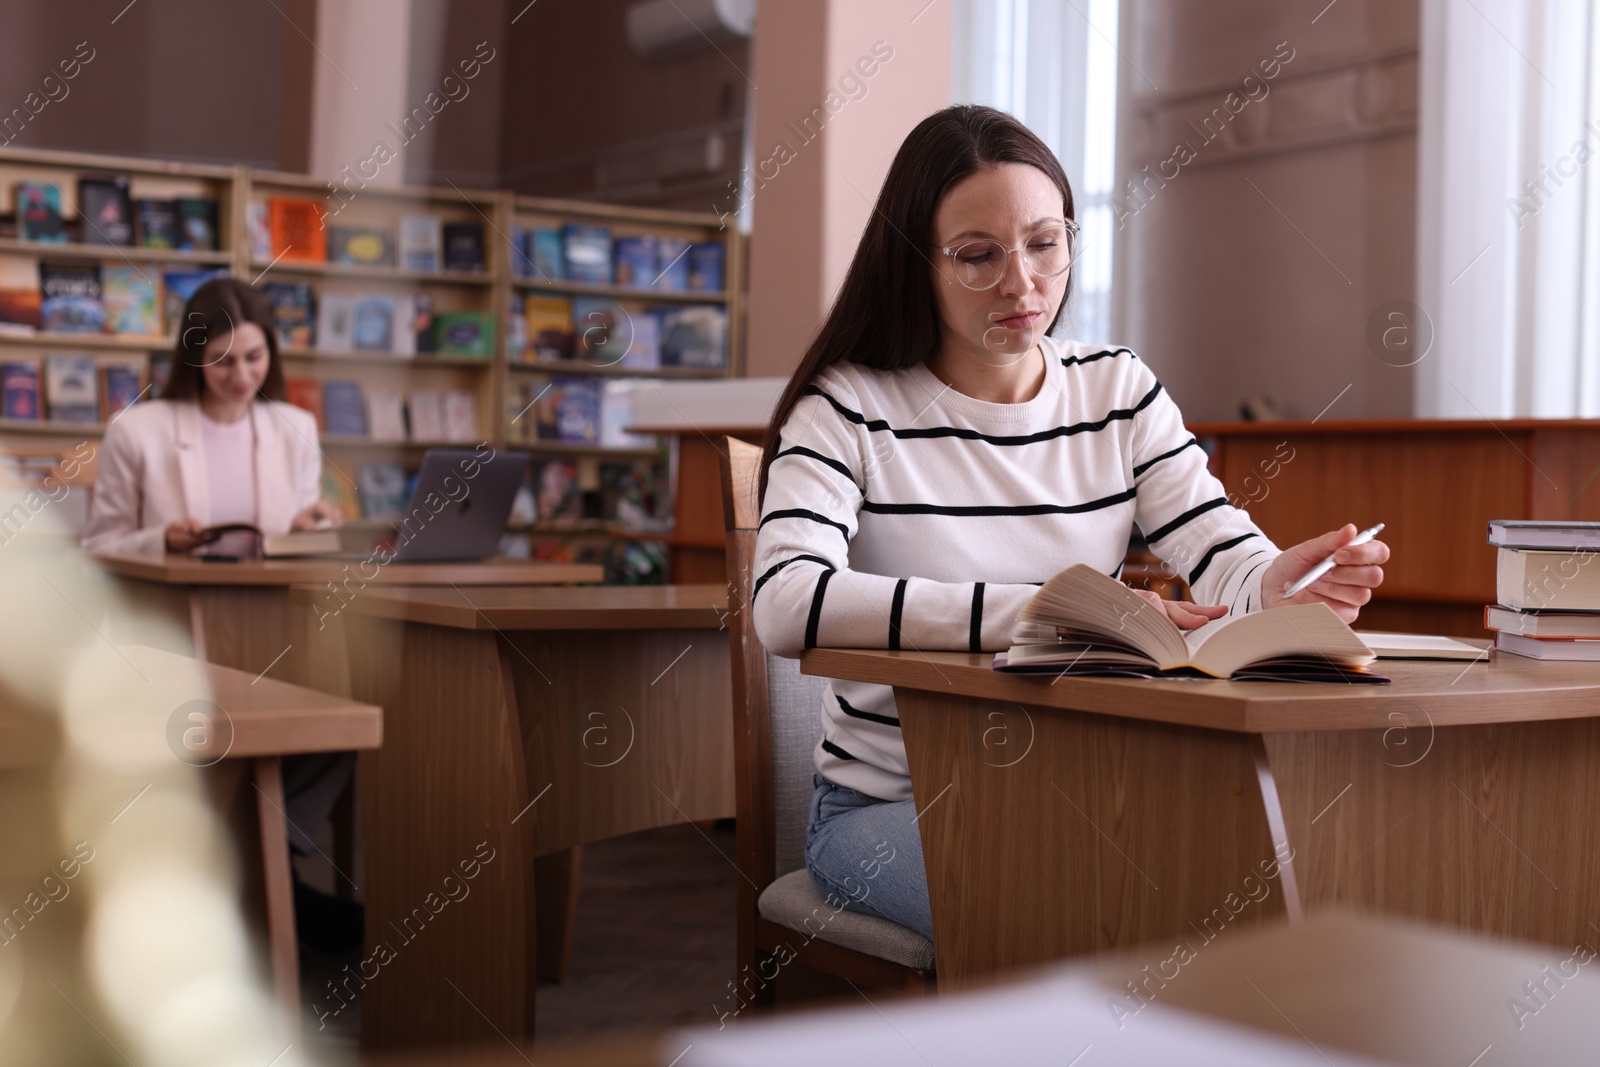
(654, 945)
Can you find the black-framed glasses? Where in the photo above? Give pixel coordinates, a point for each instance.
(1047, 253)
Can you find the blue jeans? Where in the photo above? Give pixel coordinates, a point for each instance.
(866, 853)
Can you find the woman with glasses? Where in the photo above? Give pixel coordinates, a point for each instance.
(938, 454)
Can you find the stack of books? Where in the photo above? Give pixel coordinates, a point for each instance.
(1547, 582)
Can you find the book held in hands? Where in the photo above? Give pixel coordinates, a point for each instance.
(1082, 622)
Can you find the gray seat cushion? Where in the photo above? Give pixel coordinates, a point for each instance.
(793, 900)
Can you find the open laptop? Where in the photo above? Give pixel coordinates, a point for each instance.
(471, 511)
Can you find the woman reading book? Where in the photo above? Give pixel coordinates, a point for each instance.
(938, 454)
(220, 447)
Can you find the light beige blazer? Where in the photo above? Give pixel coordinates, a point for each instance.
(152, 471)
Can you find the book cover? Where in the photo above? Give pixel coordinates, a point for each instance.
(372, 324)
(516, 328)
(71, 301)
(549, 254)
(644, 346)
(426, 415)
(156, 222)
(403, 341)
(179, 286)
(258, 231)
(132, 297)
(120, 386)
(197, 223)
(544, 396)
(636, 261)
(672, 263)
(19, 296)
(341, 493)
(295, 225)
(557, 498)
(464, 333)
(343, 413)
(463, 246)
(578, 410)
(705, 265)
(362, 246)
(586, 248)
(521, 251)
(385, 415)
(71, 388)
(548, 321)
(382, 488)
(306, 394)
(106, 210)
(422, 325)
(600, 330)
(616, 414)
(693, 336)
(336, 328)
(19, 382)
(460, 412)
(39, 213)
(160, 374)
(293, 312)
(420, 242)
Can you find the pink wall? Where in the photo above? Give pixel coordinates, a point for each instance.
(815, 188)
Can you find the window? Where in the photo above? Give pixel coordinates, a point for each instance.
(1052, 64)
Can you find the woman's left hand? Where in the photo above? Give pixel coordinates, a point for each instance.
(321, 514)
(1356, 573)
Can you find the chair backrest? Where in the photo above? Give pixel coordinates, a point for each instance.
(777, 710)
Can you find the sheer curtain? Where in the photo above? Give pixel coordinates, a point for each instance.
(1052, 64)
(1508, 236)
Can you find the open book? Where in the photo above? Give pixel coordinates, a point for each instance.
(1082, 622)
(240, 540)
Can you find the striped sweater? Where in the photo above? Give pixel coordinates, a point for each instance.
(902, 514)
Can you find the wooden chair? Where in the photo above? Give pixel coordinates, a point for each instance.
(777, 724)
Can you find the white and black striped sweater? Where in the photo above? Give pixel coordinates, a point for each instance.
(901, 513)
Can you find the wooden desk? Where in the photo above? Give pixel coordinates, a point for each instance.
(238, 614)
(1081, 815)
(519, 723)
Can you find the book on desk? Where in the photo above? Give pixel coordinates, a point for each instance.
(1082, 622)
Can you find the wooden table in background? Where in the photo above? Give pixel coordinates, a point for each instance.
(518, 725)
(1436, 482)
(238, 614)
(1084, 814)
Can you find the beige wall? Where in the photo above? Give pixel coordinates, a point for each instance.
(810, 212)
(179, 79)
(1257, 266)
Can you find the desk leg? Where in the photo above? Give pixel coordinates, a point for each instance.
(282, 946)
(557, 876)
(451, 940)
(1051, 833)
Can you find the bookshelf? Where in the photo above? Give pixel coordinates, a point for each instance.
(500, 380)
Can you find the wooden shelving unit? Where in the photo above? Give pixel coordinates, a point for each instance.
(492, 381)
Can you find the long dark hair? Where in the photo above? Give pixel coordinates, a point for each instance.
(215, 309)
(886, 315)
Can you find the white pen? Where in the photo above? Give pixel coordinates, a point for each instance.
(1327, 565)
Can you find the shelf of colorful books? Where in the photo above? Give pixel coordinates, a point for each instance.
(578, 366)
(618, 292)
(110, 253)
(375, 273)
(385, 359)
(109, 342)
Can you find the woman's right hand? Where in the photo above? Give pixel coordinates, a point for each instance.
(1188, 616)
(184, 535)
